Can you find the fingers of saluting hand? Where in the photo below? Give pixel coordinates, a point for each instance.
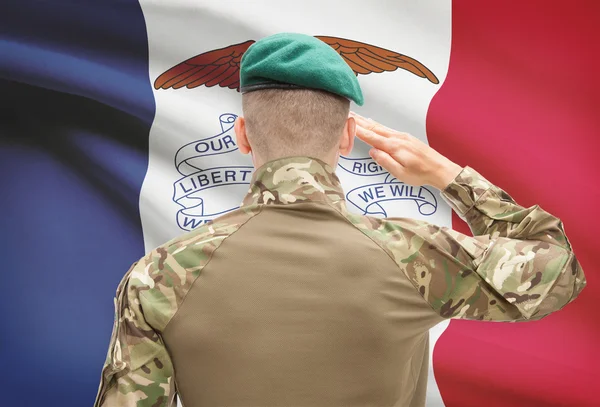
(376, 140)
(372, 125)
(377, 135)
(388, 162)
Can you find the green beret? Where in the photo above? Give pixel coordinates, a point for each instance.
(289, 60)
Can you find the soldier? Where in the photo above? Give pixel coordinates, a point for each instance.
(291, 300)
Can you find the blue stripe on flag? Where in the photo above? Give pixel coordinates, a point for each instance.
(76, 112)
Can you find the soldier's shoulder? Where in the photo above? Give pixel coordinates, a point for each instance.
(164, 276)
(210, 232)
(198, 240)
(388, 229)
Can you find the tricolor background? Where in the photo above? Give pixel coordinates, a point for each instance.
(87, 170)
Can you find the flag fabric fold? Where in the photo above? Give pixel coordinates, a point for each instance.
(100, 164)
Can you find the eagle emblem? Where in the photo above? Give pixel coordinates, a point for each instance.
(222, 66)
(200, 162)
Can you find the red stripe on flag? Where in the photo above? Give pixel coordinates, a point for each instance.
(520, 105)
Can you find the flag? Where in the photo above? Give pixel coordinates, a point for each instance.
(117, 136)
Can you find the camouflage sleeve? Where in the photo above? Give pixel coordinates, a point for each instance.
(522, 261)
(518, 266)
(490, 211)
(138, 370)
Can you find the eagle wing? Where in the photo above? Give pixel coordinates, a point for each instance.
(217, 67)
(366, 58)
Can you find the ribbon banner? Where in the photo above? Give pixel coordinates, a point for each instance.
(224, 142)
(368, 198)
(365, 167)
(191, 191)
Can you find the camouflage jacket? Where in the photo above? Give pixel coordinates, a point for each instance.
(518, 266)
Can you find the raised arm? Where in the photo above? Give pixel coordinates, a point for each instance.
(518, 266)
(488, 210)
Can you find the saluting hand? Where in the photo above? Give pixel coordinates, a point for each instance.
(405, 157)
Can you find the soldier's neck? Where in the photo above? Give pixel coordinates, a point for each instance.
(331, 158)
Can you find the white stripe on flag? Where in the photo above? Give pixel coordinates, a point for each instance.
(180, 29)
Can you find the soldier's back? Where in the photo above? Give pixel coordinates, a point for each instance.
(291, 300)
(299, 307)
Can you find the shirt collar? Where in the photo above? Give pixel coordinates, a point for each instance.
(294, 179)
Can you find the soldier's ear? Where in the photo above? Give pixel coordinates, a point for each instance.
(241, 138)
(347, 140)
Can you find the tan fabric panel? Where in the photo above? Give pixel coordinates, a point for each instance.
(311, 314)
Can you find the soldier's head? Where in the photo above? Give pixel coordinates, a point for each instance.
(288, 122)
(296, 93)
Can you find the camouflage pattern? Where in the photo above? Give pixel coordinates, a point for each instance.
(294, 179)
(138, 370)
(518, 266)
(535, 268)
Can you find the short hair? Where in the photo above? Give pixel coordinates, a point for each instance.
(290, 122)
